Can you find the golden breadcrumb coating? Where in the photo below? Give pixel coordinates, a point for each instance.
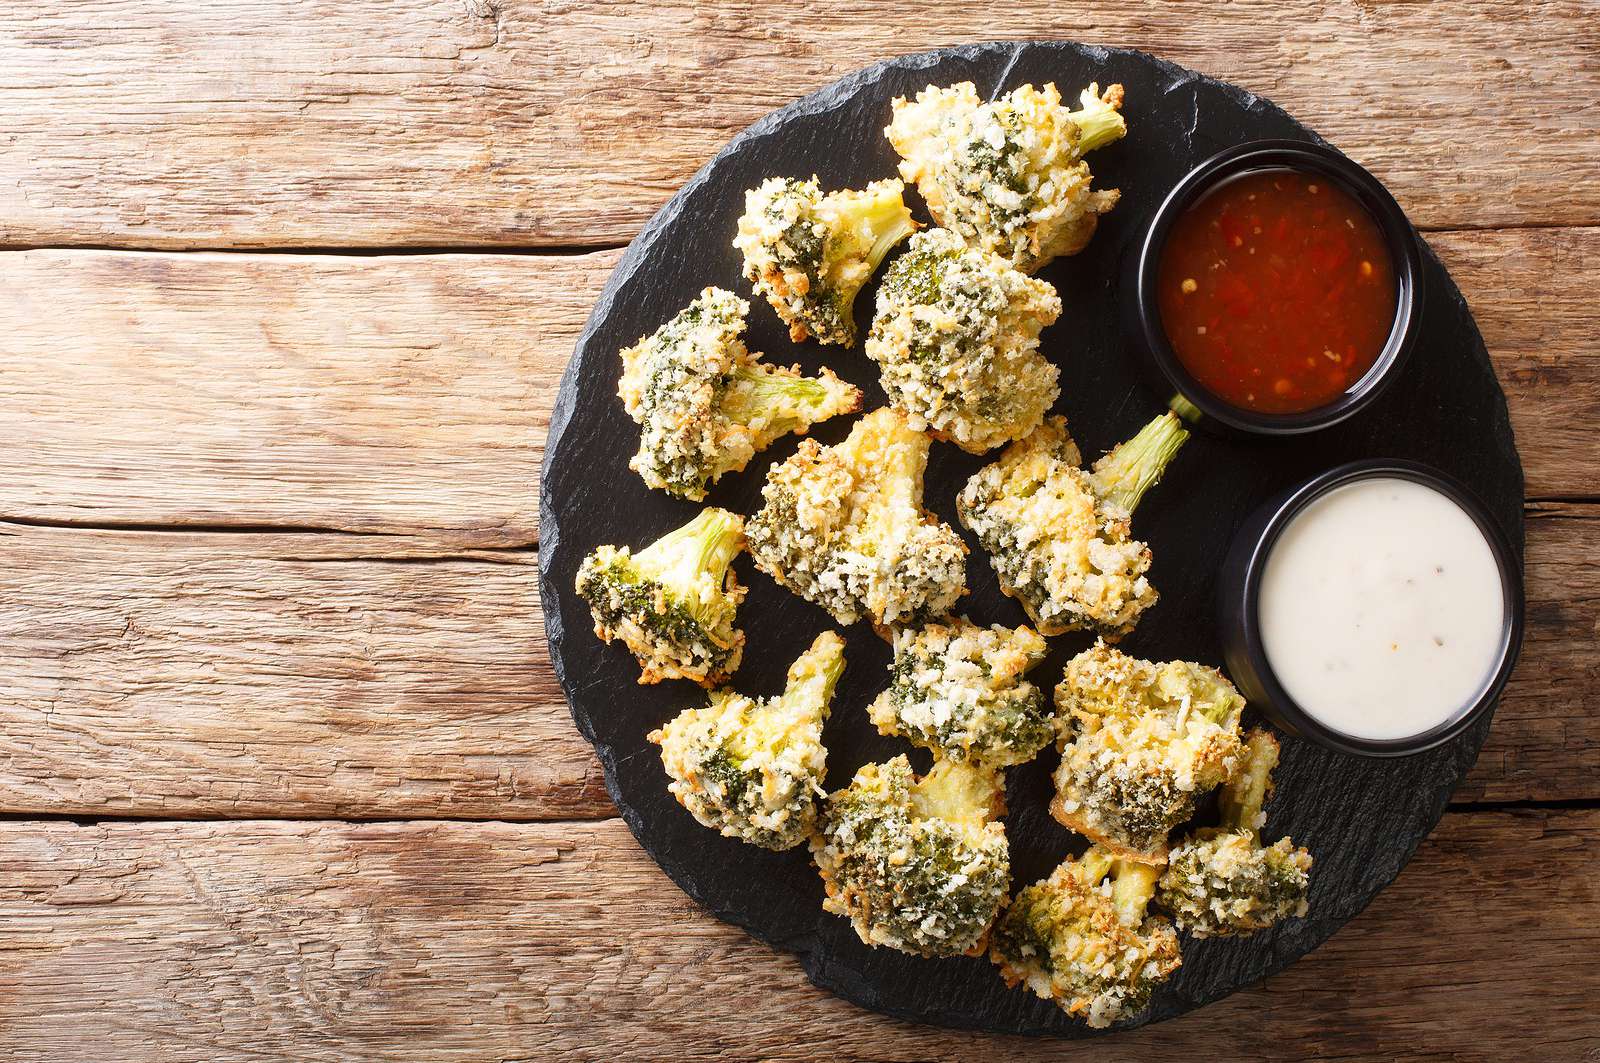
(1142, 743)
(1067, 557)
(844, 527)
(1008, 176)
(1085, 942)
(674, 602)
(809, 253)
(1222, 880)
(956, 339)
(706, 405)
(751, 769)
(918, 864)
(957, 688)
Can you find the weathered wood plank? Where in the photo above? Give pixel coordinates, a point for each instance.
(1545, 744)
(220, 675)
(1526, 289)
(371, 395)
(411, 394)
(244, 675)
(441, 942)
(521, 122)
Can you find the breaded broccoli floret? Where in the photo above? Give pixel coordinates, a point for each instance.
(707, 404)
(956, 339)
(919, 865)
(751, 768)
(1009, 176)
(1141, 744)
(1058, 535)
(810, 253)
(1222, 880)
(957, 688)
(844, 527)
(1087, 944)
(672, 603)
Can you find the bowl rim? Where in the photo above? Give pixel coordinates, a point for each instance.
(1511, 583)
(1399, 237)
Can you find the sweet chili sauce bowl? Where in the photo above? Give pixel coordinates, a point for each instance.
(1240, 629)
(1145, 334)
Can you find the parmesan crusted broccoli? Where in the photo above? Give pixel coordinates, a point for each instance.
(707, 404)
(810, 253)
(844, 527)
(957, 688)
(919, 865)
(1141, 744)
(672, 603)
(956, 339)
(751, 769)
(1085, 943)
(1223, 880)
(1058, 535)
(1009, 176)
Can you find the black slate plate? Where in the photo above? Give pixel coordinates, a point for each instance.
(1361, 819)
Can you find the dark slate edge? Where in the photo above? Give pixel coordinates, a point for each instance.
(849, 984)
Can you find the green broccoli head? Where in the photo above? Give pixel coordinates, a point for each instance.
(1142, 743)
(707, 405)
(844, 527)
(1085, 943)
(672, 603)
(957, 688)
(1008, 175)
(1059, 536)
(750, 768)
(956, 339)
(919, 865)
(810, 253)
(1222, 880)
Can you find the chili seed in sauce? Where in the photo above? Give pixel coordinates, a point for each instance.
(1274, 278)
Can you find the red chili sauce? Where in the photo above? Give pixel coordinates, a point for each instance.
(1276, 291)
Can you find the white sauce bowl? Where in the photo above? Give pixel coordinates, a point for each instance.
(1376, 609)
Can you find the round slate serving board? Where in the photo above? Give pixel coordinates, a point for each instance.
(1361, 819)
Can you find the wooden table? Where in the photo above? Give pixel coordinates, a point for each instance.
(285, 292)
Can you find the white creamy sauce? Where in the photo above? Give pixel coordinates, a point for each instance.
(1381, 609)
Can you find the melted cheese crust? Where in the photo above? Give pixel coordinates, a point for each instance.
(963, 360)
(1158, 735)
(959, 690)
(1007, 176)
(853, 537)
(1066, 557)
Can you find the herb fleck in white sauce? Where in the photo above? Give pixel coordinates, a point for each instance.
(1381, 609)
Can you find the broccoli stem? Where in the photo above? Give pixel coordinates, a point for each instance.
(1184, 408)
(1099, 122)
(1095, 865)
(708, 543)
(890, 223)
(785, 400)
(1122, 477)
(1132, 885)
(868, 225)
(813, 676)
(1245, 793)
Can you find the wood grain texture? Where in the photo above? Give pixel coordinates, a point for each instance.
(405, 394)
(1545, 744)
(499, 122)
(411, 394)
(223, 675)
(300, 675)
(177, 942)
(283, 669)
(1532, 295)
